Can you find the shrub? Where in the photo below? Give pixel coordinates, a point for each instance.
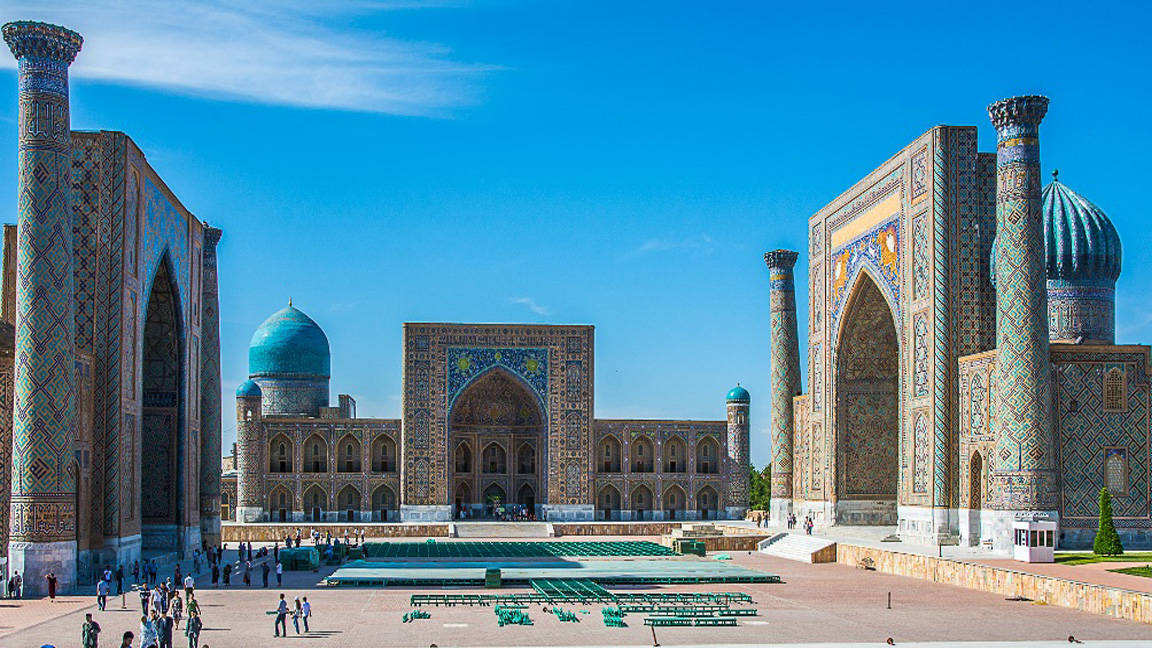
(1107, 540)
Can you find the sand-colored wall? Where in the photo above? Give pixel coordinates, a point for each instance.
(1087, 597)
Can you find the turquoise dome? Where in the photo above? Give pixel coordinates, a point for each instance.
(1080, 242)
(739, 395)
(289, 343)
(248, 389)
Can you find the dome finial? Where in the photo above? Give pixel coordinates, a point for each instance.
(289, 300)
(1055, 175)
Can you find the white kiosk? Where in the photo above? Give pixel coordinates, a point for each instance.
(1035, 541)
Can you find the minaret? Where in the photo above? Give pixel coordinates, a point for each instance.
(43, 504)
(210, 391)
(249, 468)
(1023, 463)
(738, 479)
(784, 353)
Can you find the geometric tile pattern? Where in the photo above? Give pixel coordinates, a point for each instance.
(784, 354)
(43, 478)
(1024, 461)
(210, 419)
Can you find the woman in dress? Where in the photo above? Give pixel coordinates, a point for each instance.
(51, 578)
(148, 636)
(177, 609)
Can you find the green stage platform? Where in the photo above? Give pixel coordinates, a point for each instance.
(541, 549)
(433, 573)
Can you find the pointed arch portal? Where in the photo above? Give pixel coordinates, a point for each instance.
(867, 409)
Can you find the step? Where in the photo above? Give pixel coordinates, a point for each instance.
(799, 547)
(503, 530)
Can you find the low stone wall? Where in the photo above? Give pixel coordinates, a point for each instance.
(257, 532)
(614, 528)
(1087, 597)
(742, 542)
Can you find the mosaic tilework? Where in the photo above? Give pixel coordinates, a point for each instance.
(1081, 312)
(785, 359)
(43, 485)
(879, 251)
(1085, 429)
(922, 452)
(530, 365)
(920, 256)
(210, 424)
(919, 355)
(1024, 462)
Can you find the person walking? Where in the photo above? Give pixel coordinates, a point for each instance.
(90, 632)
(192, 631)
(196, 562)
(159, 601)
(247, 573)
(189, 585)
(136, 571)
(264, 569)
(145, 596)
(51, 578)
(297, 612)
(215, 575)
(126, 640)
(281, 617)
(101, 594)
(193, 605)
(177, 610)
(164, 631)
(119, 580)
(177, 575)
(307, 610)
(227, 574)
(279, 573)
(148, 637)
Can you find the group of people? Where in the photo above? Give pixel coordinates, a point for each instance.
(299, 611)
(808, 523)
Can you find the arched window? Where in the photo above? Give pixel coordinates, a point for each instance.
(674, 503)
(641, 502)
(280, 455)
(280, 504)
(383, 504)
(225, 506)
(463, 458)
(675, 455)
(349, 502)
(707, 503)
(608, 503)
(708, 456)
(642, 455)
(315, 503)
(494, 460)
(609, 455)
(526, 460)
(383, 455)
(348, 453)
(315, 455)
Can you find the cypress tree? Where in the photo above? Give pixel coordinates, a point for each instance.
(1107, 540)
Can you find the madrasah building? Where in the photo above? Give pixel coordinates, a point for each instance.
(495, 416)
(963, 369)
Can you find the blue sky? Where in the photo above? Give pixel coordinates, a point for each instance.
(610, 163)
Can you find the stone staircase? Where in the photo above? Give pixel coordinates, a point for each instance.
(800, 547)
(503, 530)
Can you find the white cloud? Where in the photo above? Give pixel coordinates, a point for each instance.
(700, 243)
(531, 305)
(287, 52)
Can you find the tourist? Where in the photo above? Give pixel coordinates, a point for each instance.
(264, 569)
(177, 577)
(14, 585)
(126, 640)
(145, 595)
(279, 572)
(159, 601)
(196, 562)
(193, 605)
(51, 578)
(90, 632)
(177, 610)
(227, 574)
(276, 551)
(194, 626)
(281, 617)
(107, 575)
(307, 609)
(297, 612)
(148, 637)
(119, 580)
(189, 585)
(101, 594)
(164, 631)
(136, 571)
(215, 575)
(247, 575)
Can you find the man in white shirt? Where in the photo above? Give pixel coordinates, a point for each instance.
(189, 585)
(279, 572)
(307, 608)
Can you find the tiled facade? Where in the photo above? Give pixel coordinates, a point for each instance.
(918, 347)
(491, 413)
(110, 357)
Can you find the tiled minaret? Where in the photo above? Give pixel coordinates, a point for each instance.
(43, 504)
(1023, 463)
(784, 353)
(210, 392)
(737, 477)
(249, 468)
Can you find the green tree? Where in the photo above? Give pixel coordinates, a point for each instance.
(760, 494)
(1107, 540)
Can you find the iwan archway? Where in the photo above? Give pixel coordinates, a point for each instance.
(867, 401)
(497, 428)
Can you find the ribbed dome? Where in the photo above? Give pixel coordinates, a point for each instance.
(738, 395)
(1080, 242)
(289, 342)
(248, 389)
